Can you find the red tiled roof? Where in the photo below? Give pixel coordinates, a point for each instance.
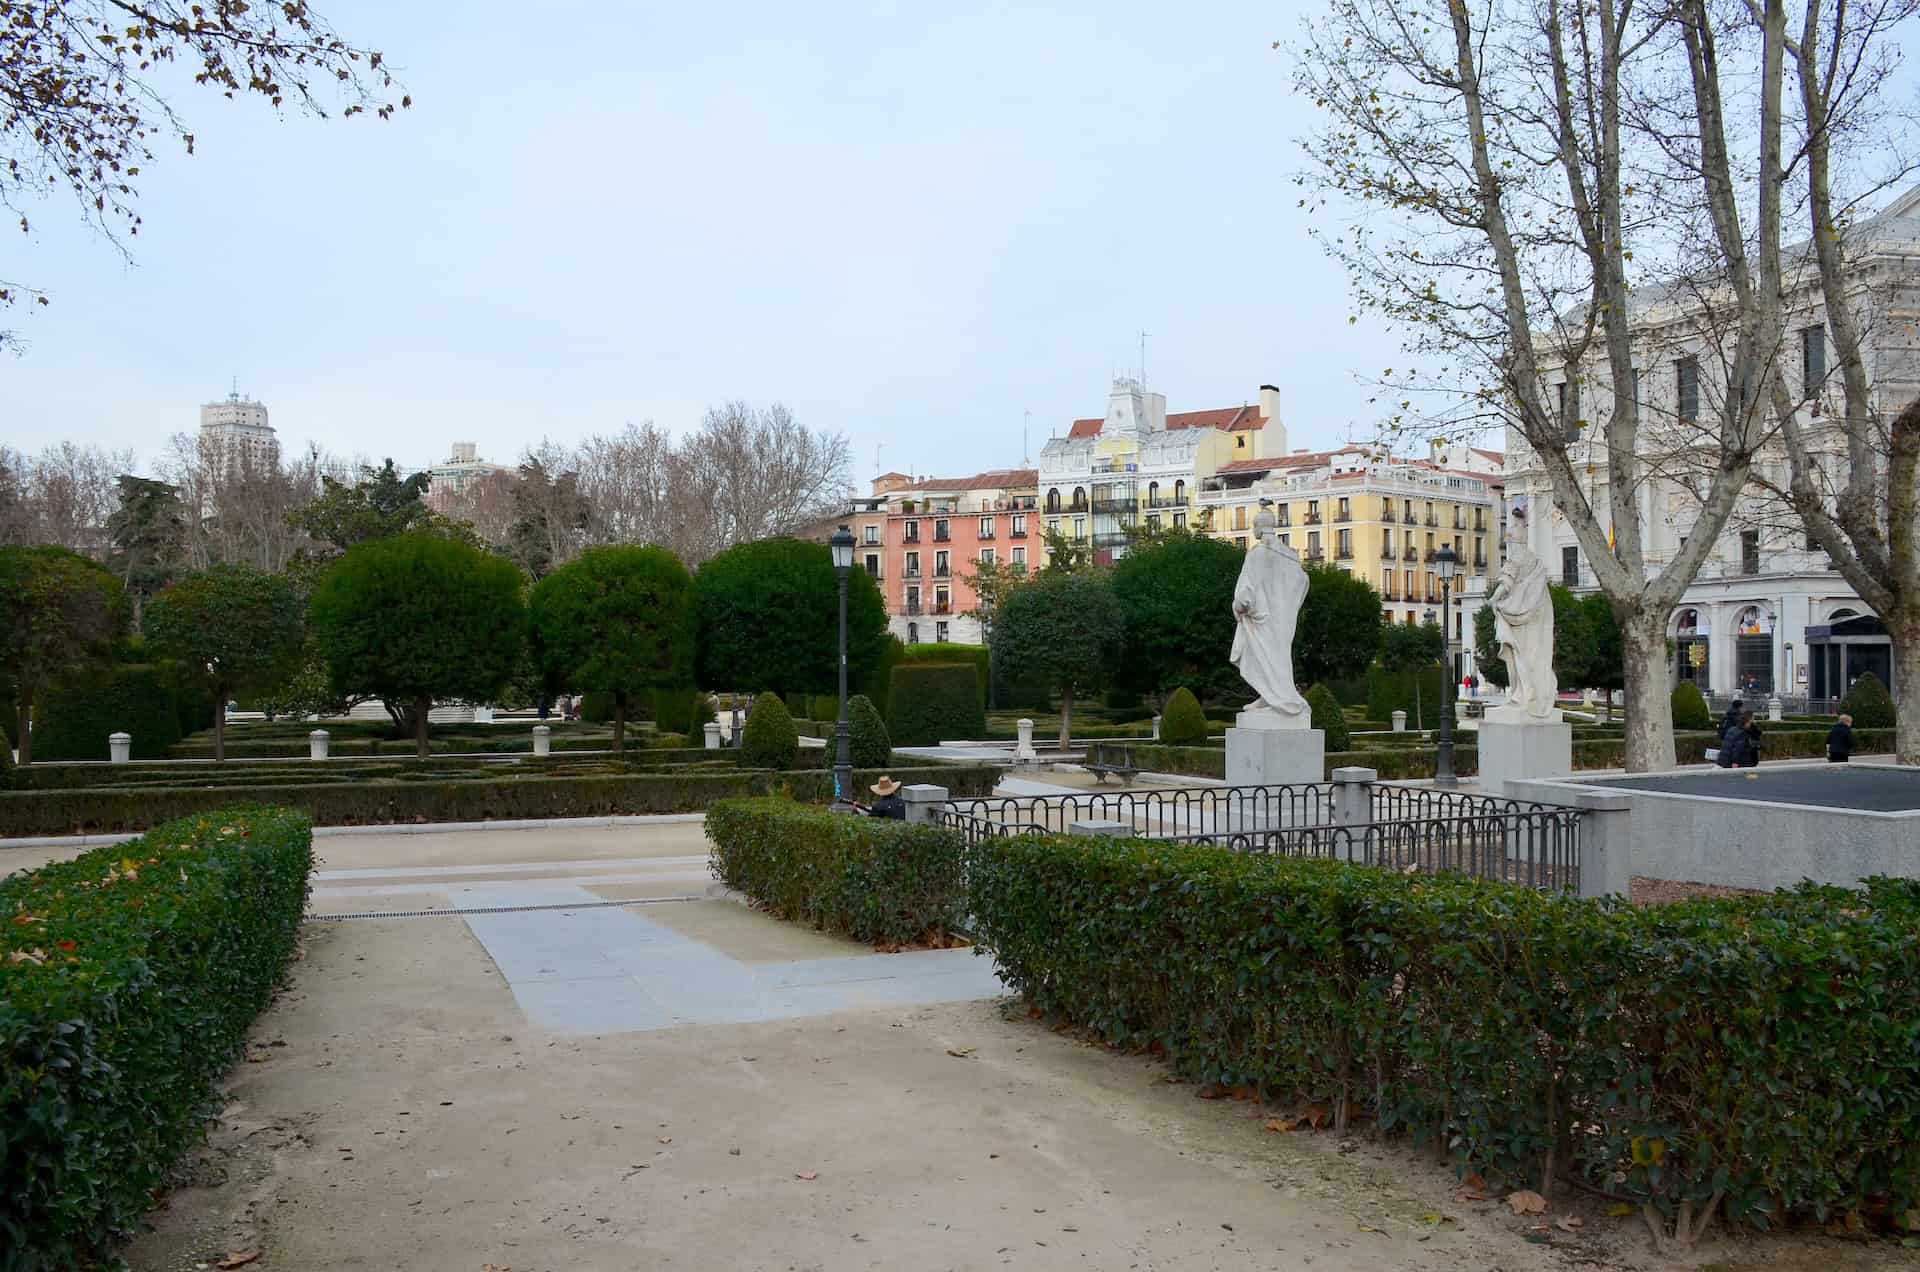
(1497, 457)
(998, 479)
(1235, 419)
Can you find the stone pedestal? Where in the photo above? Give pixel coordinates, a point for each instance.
(1275, 757)
(542, 740)
(712, 730)
(1516, 751)
(317, 744)
(1776, 710)
(1024, 749)
(120, 747)
(1399, 722)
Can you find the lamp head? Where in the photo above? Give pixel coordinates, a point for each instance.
(841, 545)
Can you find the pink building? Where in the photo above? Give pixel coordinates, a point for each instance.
(937, 533)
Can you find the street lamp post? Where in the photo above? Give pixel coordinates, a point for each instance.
(842, 546)
(1445, 562)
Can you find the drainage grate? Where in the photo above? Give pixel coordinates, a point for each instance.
(496, 909)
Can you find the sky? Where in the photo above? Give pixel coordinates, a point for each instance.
(915, 224)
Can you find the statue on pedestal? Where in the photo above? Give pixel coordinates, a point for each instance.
(1266, 607)
(1523, 625)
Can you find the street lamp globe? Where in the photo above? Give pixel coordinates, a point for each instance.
(842, 545)
(1445, 562)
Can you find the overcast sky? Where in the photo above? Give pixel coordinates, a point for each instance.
(906, 223)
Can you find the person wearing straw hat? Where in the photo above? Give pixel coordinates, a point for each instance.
(889, 805)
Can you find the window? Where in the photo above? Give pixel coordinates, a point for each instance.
(1180, 491)
(1687, 374)
(1343, 513)
(1153, 494)
(986, 556)
(1020, 557)
(940, 632)
(913, 532)
(1153, 521)
(986, 527)
(1079, 527)
(1240, 441)
(1570, 567)
(1019, 524)
(1386, 543)
(1346, 544)
(1179, 521)
(913, 565)
(913, 600)
(913, 633)
(1240, 516)
(1240, 542)
(942, 564)
(1079, 497)
(942, 530)
(1053, 525)
(1287, 540)
(1313, 511)
(1813, 358)
(873, 565)
(1313, 543)
(942, 601)
(1749, 552)
(870, 534)
(1053, 500)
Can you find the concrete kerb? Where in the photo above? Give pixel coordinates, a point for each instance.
(400, 828)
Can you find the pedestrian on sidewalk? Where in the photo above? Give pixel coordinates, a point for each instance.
(1840, 740)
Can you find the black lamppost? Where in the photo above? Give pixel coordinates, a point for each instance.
(1444, 564)
(842, 546)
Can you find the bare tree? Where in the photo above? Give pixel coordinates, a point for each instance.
(1528, 167)
(63, 496)
(761, 473)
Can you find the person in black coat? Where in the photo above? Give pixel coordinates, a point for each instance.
(889, 804)
(1840, 740)
(1732, 717)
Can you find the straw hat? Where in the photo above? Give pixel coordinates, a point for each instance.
(885, 786)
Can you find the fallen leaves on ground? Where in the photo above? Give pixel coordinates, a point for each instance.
(1619, 1210)
(239, 1259)
(806, 1174)
(1527, 1202)
(1569, 1223)
(960, 1053)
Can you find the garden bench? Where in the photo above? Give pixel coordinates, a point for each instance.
(1125, 772)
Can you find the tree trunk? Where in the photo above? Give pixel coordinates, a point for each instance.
(1643, 644)
(1905, 631)
(219, 724)
(1066, 717)
(24, 740)
(619, 722)
(420, 726)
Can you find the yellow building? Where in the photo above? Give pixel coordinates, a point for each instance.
(1378, 516)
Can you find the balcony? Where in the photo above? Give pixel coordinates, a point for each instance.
(1411, 554)
(1409, 518)
(911, 572)
(1479, 563)
(911, 609)
(1114, 506)
(1311, 519)
(1479, 523)
(911, 537)
(1341, 518)
(1109, 540)
(1387, 553)
(942, 572)
(942, 608)
(1390, 596)
(1344, 554)
(986, 534)
(1015, 534)
(1431, 554)
(1433, 522)
(942, 536)
(1314, 554)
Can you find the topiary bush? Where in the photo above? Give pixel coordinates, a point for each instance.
(1867, 702)
(128, 979)
(674, 709)
(931, 702)
(596, 707)
(769, 739)
(1181, 721)
(1690, 707)
(1329, 716)
(71, 721)
(872, 879)
(867, 734)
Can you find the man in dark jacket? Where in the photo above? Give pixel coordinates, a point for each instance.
(889, 805)
(1734, 712)
(1840, 740)
(1740, 745)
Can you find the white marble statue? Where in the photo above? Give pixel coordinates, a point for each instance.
(1523, 614)
(1266, 607)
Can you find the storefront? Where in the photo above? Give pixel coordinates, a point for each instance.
(1753, 651)
(1841, 651)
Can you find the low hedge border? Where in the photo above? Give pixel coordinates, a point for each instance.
(128, 979)
(874, 880)
(108, 809)
(1761, 1053)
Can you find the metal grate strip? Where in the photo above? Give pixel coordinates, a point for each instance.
(496, 909)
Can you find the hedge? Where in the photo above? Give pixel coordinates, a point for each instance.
(1390, 691)
(1762, 1053)
(932, 702)
(869, 878)
(72, 721)
(107, 809)
(1867, 702)
(1181, 723)
(1329, 718)
(953, 652)
(768, 739)
(128, 979)
(1154, 757)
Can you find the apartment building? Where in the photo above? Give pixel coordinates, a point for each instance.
(1382, 517)
(1137, 466)
(934, 535)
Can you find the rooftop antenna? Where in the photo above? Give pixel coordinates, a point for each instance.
(1143, 360)
(877, 448)
(1026, 422)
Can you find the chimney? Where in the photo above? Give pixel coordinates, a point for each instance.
(1269, 402)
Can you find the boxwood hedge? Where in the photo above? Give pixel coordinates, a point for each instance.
(1761, 1054)
(476, 798)
(934, 702)
(128, 978)
(871, 879)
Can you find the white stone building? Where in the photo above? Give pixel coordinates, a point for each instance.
(1768, 614)
(235, 432)
(464, 465)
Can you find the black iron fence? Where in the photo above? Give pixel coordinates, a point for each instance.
(1404, 828)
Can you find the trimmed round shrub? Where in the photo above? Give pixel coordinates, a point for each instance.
(72, 720)
(1690, 708)
(932, 702)
(1867, 702)
(867, 734)
(1181, 722)
(769, 739)
(1327, 716)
